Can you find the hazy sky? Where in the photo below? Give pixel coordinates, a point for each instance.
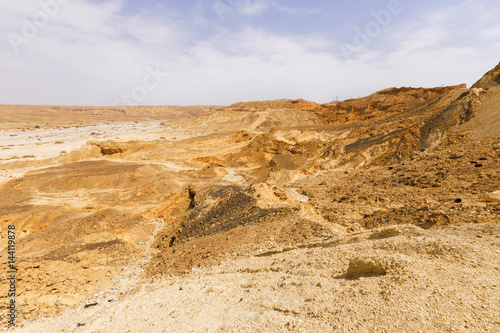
(158, 52)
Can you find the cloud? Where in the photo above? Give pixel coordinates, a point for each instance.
(252, 7)
(440, 46)
(249, 8)
(92, 54)
(490, 33)
(84, 53)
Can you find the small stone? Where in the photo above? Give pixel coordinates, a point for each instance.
(88, 305)
(493, 197)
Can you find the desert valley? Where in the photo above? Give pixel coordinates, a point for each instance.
(376, 214)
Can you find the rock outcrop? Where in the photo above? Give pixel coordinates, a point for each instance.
(490, 79)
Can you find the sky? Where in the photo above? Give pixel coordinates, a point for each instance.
(219, 52)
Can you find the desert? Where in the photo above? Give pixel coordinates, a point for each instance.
(375, 214)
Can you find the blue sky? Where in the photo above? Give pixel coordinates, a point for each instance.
(151, 52)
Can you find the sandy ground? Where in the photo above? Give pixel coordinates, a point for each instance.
(406, 280)
(50, 142)
(46, 143)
